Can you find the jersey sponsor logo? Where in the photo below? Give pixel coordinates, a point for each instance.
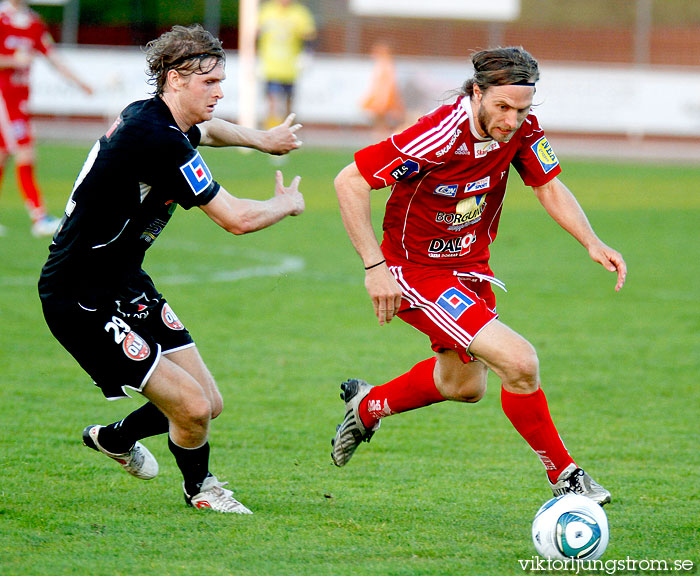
(545, 155)
(397, 169)
(135, 347)
(197, 174)
(451, 247)
(449, 145)
(170, 319)
(449, 190)
(478, 185)
(454, 302)
(467, 212)
(463, 150)
(481, 149)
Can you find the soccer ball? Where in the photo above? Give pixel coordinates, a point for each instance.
(570, 526)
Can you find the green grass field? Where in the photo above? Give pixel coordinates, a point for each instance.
(282, 317)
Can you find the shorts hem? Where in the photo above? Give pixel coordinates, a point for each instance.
(178, 348)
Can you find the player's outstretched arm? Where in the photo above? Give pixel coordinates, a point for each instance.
(563, 207)
(278, 140)
(354, 199)
(67, 72)
(243, 215)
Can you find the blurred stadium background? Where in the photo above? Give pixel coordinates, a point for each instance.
(624, 71)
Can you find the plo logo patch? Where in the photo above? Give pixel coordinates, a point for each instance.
(545, 155)
(170, 319)
(135, 347)
(398, 169)
(197, 174)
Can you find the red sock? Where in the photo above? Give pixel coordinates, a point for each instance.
(409, 391)
(530, 416)
(32, 196)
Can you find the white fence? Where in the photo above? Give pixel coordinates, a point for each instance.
(576, 98)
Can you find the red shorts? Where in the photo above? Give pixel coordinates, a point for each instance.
(450, 309)
(15, 129)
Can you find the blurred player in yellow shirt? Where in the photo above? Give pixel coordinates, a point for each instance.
(284, 27)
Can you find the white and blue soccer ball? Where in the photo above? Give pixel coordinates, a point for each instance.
(570, 526)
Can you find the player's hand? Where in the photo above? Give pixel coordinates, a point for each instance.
(611, 260)
(23, 58)
(282, 139)
(290, 193)
(384, 291)
(86, 88)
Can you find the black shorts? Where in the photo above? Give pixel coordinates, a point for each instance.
(117, 352)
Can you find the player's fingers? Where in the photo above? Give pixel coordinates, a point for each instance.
(279, 178)
(397, 303)
(289, 119)
(295, 183)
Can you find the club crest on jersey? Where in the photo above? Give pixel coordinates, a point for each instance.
(397, 169)
(170, 319)
(449, 190)
(197, 174)
(135, 347)
(545, 155)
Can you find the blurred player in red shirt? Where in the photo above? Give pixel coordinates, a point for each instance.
(23, 35)
(448, 175)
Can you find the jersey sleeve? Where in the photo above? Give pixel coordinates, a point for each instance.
(425, 145)
(179, 169)
(535, 161)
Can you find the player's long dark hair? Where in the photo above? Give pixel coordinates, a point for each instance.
(501, 66)
(187, 49)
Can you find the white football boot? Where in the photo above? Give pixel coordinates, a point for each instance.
(138, 461)
(45, 227)
(214, 496)
(352, 432)
(576, 481)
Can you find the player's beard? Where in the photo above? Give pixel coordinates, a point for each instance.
(487, 125)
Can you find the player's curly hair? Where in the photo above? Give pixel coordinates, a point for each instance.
(187, 49)
(502, 66)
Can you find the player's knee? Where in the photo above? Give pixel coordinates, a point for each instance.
(474, 393)
(522, 375)
(470, 391)
(197, 413)
(217, 405)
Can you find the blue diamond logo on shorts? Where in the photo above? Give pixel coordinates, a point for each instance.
(454, 302)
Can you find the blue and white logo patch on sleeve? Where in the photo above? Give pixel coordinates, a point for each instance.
(197, 174)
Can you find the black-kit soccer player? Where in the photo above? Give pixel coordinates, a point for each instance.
(448, 175)
(99, 302)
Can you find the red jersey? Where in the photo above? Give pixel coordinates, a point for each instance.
(448, 186)
(21, 30)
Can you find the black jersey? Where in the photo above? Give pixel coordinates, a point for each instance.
(129, 187)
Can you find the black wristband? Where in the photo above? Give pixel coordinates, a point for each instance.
(375, 265)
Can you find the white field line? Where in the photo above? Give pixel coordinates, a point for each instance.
(271, 264)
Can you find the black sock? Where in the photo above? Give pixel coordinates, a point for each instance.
(193, 463)
(144, 422)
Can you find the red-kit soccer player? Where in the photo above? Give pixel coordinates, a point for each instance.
(448, 176)
(23, 35)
